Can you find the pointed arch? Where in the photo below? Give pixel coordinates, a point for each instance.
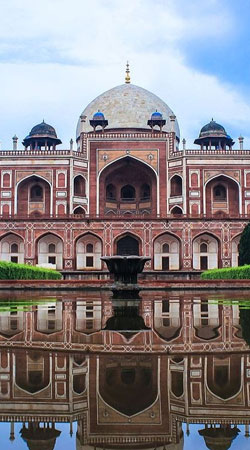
(164, 260)
(22, 203)
(79, 210)
(122, 381)
(32, 371)
(12, 248)
(175, 186)
(167, 319)
(111, 174)
(209, 259)
(46, 258)
(176, 211)
(231, 205)
(127, 244)
(79, 183)
(86, 259)
(223, 375)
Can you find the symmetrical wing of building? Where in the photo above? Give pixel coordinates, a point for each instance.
(128, 188)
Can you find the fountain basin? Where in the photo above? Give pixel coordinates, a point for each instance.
(125, 268)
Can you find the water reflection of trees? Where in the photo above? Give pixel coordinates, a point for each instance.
(245, 324)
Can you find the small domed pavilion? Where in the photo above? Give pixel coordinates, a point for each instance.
(214, 135)
(42, 136)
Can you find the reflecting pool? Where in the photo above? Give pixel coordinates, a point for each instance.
(167, 371)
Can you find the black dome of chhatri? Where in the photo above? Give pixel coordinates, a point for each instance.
(41, 135)
(214, 134)
(43, 129)
(213, 128)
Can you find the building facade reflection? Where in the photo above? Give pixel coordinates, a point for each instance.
(174, 323)
(125, 391)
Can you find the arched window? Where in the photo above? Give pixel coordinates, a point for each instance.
(165, 248)
(110, 192)
(128, 192)
(79, 186)
(79, 210)
(52, 248)
(176, 186)
(89, 248)
(6, 180)
(220, 193)
(194, 180)
(61, 180)
(36, 193)
(176, 211)
(14, 248)
(203, 248)
(145, 192)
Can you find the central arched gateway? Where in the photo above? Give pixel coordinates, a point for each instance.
(127, 186)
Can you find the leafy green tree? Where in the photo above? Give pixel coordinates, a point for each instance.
(244, 246)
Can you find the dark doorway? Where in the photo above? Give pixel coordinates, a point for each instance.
(165, 263)
(128, 246)
(204, 262)
(14, 259)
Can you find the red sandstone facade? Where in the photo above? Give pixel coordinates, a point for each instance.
(126, 191)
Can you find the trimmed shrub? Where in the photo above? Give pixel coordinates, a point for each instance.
(14, 271)
(244, 246)
(232, 273)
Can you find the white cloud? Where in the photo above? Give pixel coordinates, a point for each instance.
(58, 55)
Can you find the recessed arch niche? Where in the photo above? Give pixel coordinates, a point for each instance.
(33, 196)
(128, 185)
(128, 383)
(222, 196)
(50, 251)
(127, 245)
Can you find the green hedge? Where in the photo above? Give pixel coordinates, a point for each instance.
(232, 273)
(13, 271)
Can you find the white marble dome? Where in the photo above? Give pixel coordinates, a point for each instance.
(126, 106)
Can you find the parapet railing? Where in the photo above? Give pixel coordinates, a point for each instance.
(124, 217)
(210, 152)
(175, 154)
(26, 153)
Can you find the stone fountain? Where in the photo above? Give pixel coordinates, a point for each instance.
(125, 270)
(126, 299)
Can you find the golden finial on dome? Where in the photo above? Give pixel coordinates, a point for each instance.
(127, 77)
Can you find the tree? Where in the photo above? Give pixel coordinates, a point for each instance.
(244, 246)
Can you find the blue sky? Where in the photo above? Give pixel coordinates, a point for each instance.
(56, 56)
(65, 442)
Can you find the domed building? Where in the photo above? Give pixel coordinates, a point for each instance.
(125, 187)
(126, 107)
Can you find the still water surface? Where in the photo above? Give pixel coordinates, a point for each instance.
(169, 371)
